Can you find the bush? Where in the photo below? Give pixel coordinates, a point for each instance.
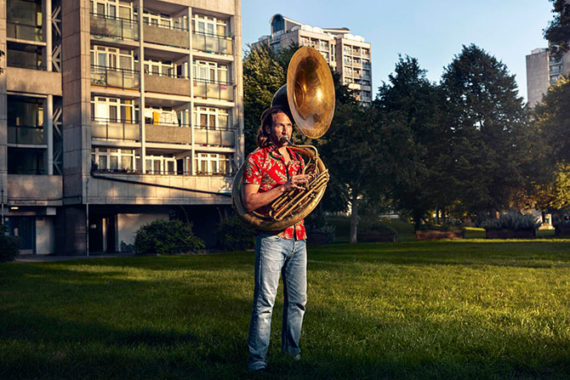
(233, 234)
(167, 237)
(512, 221)
(9, 246)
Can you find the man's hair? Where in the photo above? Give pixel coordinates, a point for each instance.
(264, 131)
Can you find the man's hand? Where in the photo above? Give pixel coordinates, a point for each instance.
(297, 182)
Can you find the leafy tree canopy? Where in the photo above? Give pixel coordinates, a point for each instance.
(558, 32)
(487, 122)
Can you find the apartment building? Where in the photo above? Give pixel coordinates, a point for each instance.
(542, 70)
(114, 113)
(347, 54)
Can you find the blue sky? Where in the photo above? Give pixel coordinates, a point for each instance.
(433, 31)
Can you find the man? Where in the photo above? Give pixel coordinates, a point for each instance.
(271, 170)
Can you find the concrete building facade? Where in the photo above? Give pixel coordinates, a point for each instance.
(543, 70)
(347, 54)
(114, 113)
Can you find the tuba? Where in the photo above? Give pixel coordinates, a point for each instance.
(309, 98)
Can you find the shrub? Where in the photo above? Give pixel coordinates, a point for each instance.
(167, 237)
(233, 234)
(512, 221)
(9, 246)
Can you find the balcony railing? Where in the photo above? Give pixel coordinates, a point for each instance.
(211, 43)
(22, 31)
(216, 128)
(164, 25)
(114, 77)
(26, 135)
(114, 129)
(114, 27)
(213, 90)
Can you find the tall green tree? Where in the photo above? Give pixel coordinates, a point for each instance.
(487, 122)
(351, 152)
(558, 32)
(552, 117)
(262, 77)
(416, 140)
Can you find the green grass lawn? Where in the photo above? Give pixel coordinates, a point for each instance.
(454, 309)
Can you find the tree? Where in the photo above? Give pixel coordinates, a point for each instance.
(487, 123)
(351, 152)
(415, 138)
(552, 117)
(262, 77)
(558, 32)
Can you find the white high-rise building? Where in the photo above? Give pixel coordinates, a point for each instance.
(347, 54)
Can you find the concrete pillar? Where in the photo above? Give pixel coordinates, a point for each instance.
(191, 105)
(3, 107)
(76, 123)
(48, 34)
(142, 99)
(48, 133)
(238, 78)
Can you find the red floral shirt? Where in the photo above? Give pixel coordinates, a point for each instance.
(266, 167)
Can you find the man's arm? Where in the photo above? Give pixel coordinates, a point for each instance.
(253, 199)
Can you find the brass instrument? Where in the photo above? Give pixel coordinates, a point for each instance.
(309, 98)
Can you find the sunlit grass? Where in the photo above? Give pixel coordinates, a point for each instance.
(459, 309)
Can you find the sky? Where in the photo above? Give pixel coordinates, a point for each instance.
(433, 31)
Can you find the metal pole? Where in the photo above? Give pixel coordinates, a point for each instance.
(2, 216)
(87, 216)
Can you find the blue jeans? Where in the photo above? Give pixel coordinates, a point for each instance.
(275, 256)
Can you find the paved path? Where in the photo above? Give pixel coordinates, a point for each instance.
(52, 258)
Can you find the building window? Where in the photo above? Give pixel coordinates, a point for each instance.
(212, 163)
(211, 72)
(161, 116)
(211, 26)
(112, 57)
(162, 68)
(113, 8)
(113, 110)
(115, 160)
(211, 118)
(26, 161)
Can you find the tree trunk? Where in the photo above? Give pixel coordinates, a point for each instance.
(354, 220)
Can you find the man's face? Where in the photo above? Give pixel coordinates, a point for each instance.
(282, 127)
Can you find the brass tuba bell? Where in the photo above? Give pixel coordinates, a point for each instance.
(309, 99)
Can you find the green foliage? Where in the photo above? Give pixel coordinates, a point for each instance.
(9, 246)
(488, 145)
(167, 237)
(558, 32)
(235, 235)
(553, 120)
(416, 140)
(512, 221)
(262, 77)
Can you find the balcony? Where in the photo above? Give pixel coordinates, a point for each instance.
(114, 129)
(114, 27)
(25, 135)
(169, 36)
(170, 134)
(209, 137)
(20, 31)
(167, 84)
(114, 77)
(213, 44)
(213, 90)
